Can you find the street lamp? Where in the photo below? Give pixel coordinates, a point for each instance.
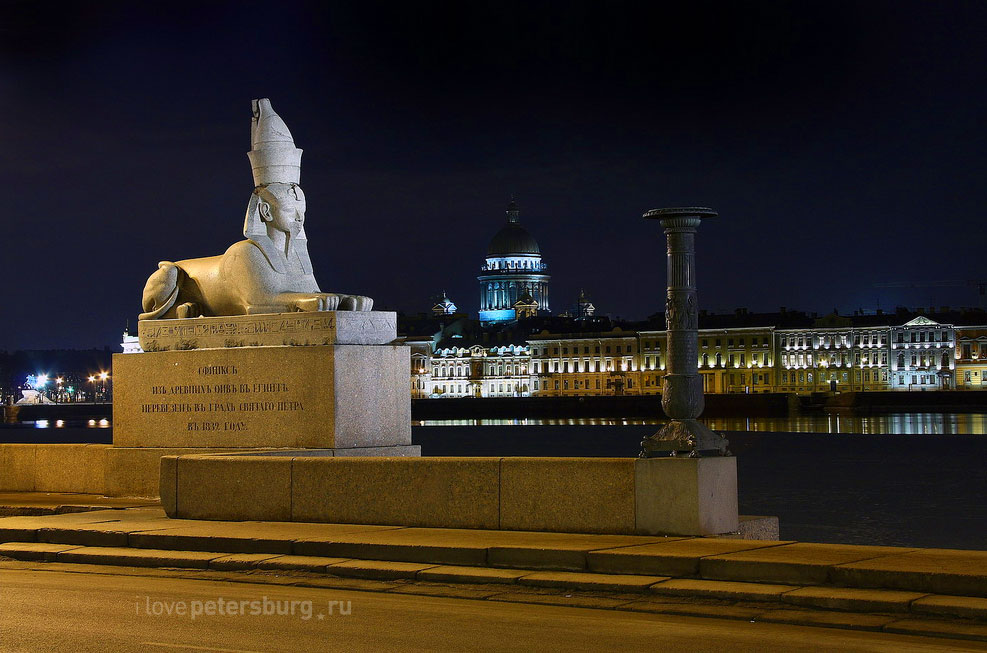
(102, 377)
(92, 379)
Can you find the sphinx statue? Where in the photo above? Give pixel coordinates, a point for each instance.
(270, 271)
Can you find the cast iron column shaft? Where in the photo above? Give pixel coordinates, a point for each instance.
(680, 397)
(682, 391)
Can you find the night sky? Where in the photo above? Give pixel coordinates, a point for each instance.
(842, 144)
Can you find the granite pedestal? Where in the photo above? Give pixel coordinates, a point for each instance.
(326, 380)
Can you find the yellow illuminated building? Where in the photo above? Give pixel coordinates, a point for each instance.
(971, 357)
(605, 363)
(798, 354)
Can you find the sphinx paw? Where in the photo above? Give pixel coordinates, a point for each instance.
(330, 302)
(317, 302)
(355, 303)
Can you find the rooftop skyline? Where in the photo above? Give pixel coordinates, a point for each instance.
(839, 142)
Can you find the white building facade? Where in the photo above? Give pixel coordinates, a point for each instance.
(923, 356)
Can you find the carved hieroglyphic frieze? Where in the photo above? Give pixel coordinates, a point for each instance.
(316, 328)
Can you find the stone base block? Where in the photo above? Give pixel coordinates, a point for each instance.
(584, 495)
(694, 496)
(86, 468)
(53, 467)
(135, 472)
(662, 496)
(319, 397)
(17, 467)
(124, 471)
(456, 492)
(399, 451)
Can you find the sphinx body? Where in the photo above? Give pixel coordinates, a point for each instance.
(270, 271)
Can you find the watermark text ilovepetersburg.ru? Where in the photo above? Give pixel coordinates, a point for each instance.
(259, 607)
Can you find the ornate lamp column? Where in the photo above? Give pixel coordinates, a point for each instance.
(682, 394)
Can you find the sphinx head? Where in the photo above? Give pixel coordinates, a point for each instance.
(281, 206)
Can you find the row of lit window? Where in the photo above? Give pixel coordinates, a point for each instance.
(825, 377)
(920, 336)
(835, 360)
(609, 365)
(582, 384)
(734, 380)
(732, 360)
(494, 351)
(740, 342)
(873, 339)
(493, 389)
(969, 354)
(921, 361)
(554, 351)
(492, 370)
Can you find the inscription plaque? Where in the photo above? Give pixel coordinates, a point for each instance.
(293, 397)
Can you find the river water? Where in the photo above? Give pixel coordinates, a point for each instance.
(905, 479)
(896, 423)
(875, 424)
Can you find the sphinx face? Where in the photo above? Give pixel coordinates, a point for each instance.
(287, 203)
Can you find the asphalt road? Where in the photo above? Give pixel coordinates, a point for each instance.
(77, 612)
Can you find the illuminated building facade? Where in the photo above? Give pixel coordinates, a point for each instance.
(602, 363)
(478, 371)
(971, 357)
(923, 355)
(837, 358)
(799, 354)
(738, 359)
(421, 355)
(513, 275)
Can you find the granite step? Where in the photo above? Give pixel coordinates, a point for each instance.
(761, 563)
(811, 605)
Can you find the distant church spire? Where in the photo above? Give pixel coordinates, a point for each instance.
(512, 211)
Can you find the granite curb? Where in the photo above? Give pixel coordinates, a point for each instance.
(823, 604)
(565, 589)
(933, 582)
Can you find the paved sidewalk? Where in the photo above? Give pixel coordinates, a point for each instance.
(793, 582)
(52, 503)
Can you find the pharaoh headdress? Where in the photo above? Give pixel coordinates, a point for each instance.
(273, 159)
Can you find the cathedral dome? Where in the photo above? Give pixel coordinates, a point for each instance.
(513, 239)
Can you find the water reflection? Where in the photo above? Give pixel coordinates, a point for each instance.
(61, 423)
(882, 424)
(535, 421)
